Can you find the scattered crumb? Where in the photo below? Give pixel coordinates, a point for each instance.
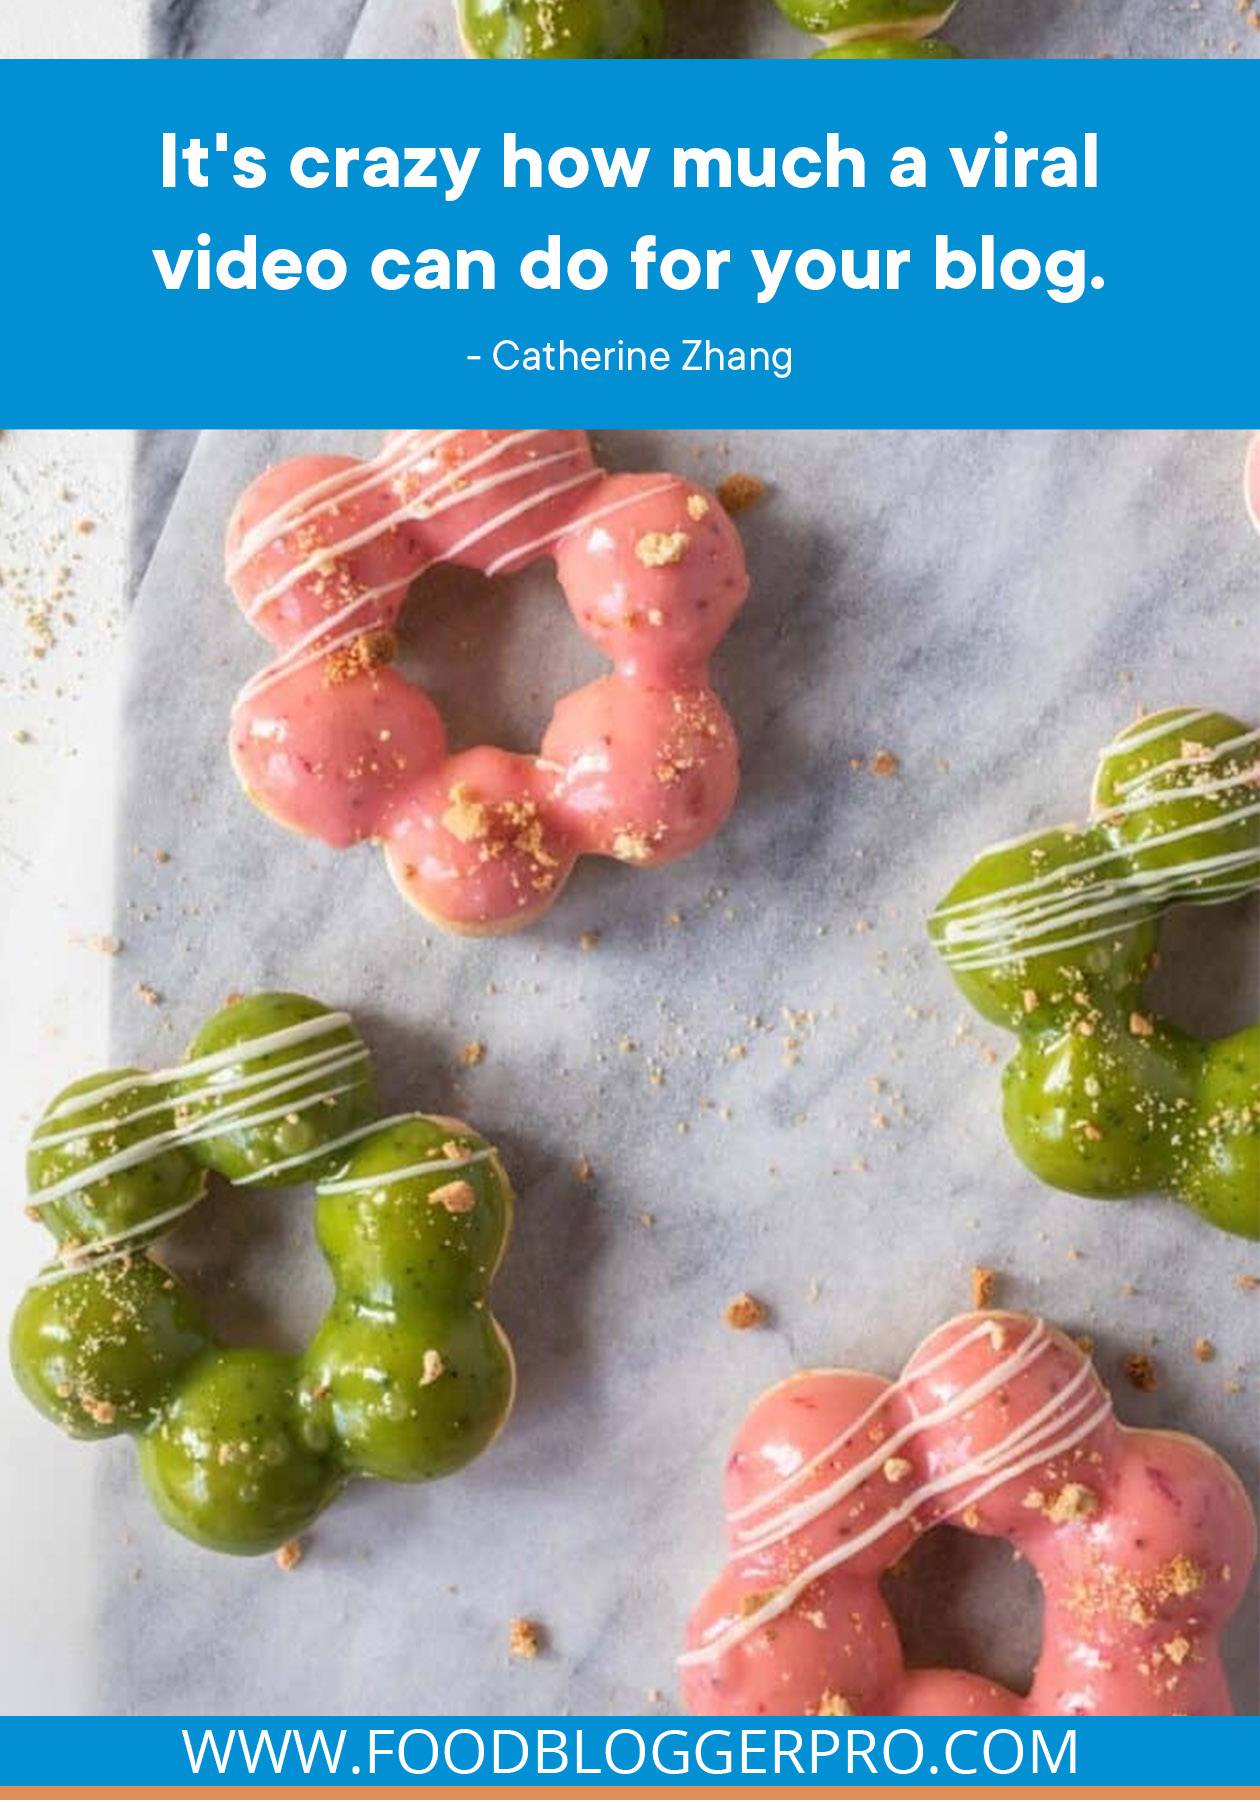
(147, 993)
(1247, 1283)
(697, 507)
(1140, 1371)
(588, 940)
(584, 1169)
(434, 1368)
(884, 763)
(983, 1287)
(289, 1555)
(897, 1468)
(525, 1638)
(744, 1313)
(1204, 1349)
(738, 491)
(472, 1054)
(104, 946)
(1140, 1025)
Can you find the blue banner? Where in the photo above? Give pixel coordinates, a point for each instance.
(780, 243)
(975, 1752)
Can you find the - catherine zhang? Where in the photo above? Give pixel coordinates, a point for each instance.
(693, 356)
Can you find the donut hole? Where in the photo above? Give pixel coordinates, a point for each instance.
(1209, 968)
(249, 1258)
(493, 654)
(966, 1602)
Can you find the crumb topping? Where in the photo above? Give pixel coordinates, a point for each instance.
(832, 1705)
(1072, 1503)
(454, 1196)
(371, 651)
(465, 818)
(661, 549)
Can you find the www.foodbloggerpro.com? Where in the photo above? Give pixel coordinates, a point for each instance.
(372, 1752)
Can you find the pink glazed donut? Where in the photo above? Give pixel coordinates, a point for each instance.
(1251, 481)
(1143, 1540)
(331, 741)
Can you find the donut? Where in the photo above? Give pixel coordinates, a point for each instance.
(603, 28)
(873, 29)
(1251, 481)
(1052, 935)
(1142, 1540)
(407, 1378)
(641, 765)
(561, 28)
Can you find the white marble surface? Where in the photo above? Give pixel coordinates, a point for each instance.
(989, 608)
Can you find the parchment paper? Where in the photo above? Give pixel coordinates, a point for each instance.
(990, 608)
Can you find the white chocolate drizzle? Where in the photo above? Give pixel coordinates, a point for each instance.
(1092, 897)
(203, 1119)
(1068, 1417)
(87, 1258)
(419, 507)
(444, 1165)
(99, 1252)
(334, 631)
(331, 492)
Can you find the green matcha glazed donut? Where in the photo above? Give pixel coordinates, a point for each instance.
(1051, 936)
(873, 29)
(408, 1376)
(603, 28)
(562, 28)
